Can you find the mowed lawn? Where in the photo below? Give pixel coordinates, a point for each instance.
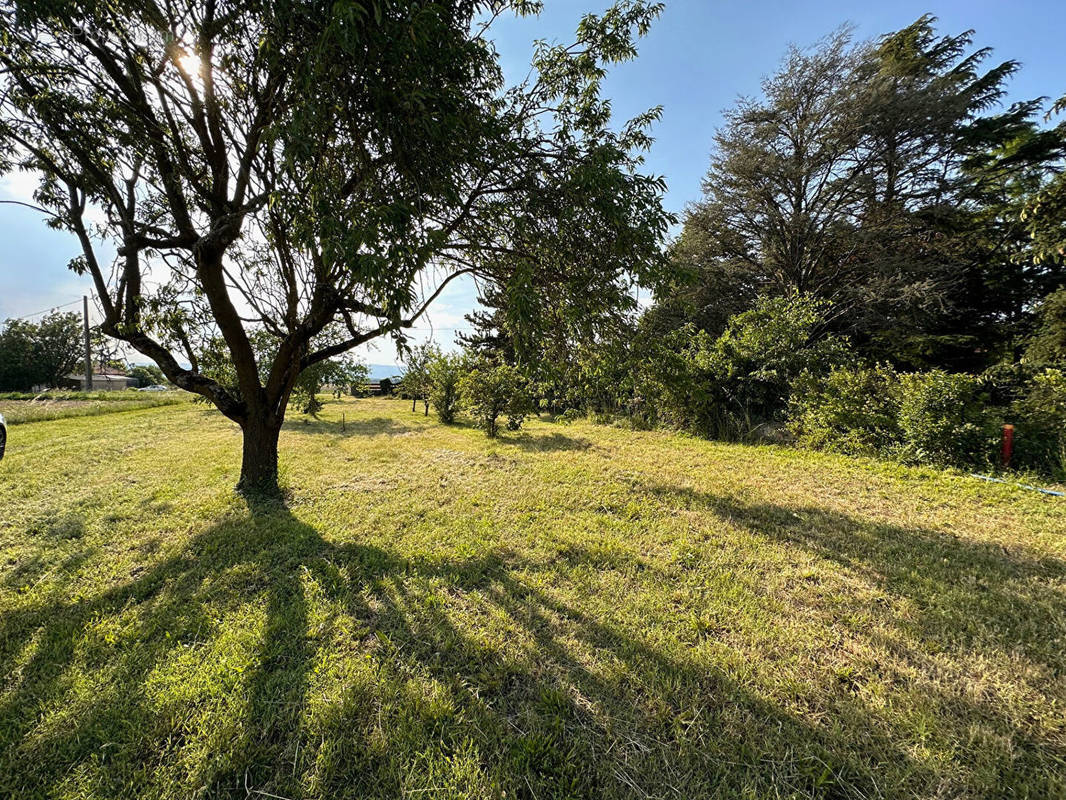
(571, 611)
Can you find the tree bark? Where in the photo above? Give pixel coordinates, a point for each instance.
(259, 462)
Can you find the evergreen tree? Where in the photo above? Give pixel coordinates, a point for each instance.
(489, 337)
(876, 176)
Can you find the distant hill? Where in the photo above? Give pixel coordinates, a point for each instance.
(379, 371)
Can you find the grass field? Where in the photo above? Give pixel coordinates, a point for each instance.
(19, 408)
(572, 611)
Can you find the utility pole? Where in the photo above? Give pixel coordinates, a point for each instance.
(88, 353)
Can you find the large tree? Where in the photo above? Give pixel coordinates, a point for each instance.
(317, 172)
(879, 175)
(782, 185)
(1046, 214)
(18, 372)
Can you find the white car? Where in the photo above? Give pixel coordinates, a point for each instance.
(155, 388)
(3, 435)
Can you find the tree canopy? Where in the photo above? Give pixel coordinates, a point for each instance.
(881, 176)
(39, 353)
(318, 172)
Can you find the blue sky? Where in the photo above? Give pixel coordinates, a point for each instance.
(699, 57)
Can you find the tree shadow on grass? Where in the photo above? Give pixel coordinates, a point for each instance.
(967, 603)
(374, 426)
(546, 443)
(56, 549)
(372, 674)
(967, 593)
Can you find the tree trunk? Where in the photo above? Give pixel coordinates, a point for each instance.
(259, 462)
(414, 400)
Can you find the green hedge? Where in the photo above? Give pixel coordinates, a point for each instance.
(936, 417)
(944, 419)
(854, 411)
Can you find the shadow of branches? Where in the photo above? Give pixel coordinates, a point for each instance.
(549, 442)
(520, 695)
(967, 593)
(370, 426)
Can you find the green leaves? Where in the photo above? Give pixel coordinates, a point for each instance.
(489, 391)
(445, 373)
(726, 386)
(323, 166)
(39, 353)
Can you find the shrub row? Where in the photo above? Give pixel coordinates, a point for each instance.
(483, 389)
(936, 417)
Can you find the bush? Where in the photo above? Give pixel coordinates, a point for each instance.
(730, 386)
(489, 392)
(1007, 382)
(570, 415)
(445, 372)
(1040, 419)
(943, 419)
(149, 375)
(854, 411)
(936, 417)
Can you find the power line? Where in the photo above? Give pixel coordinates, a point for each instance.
(47, 310)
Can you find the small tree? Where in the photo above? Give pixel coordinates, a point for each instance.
(445, 373)
(491, 391)
(339, 371)
(416, 380)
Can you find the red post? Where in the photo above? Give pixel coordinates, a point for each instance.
(1008, 444)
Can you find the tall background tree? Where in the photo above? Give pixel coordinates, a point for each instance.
(416, 379)
(489, 334)
(1045, 215)
(882, 177)
(317, 173)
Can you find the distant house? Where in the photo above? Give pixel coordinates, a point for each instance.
(376, 387)
(105, 379)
